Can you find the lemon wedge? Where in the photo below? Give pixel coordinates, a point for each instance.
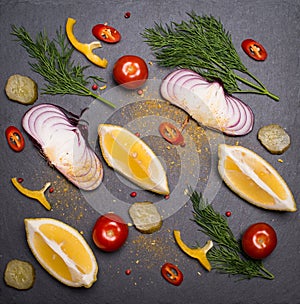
(132, 157)
(254, 179)
(62, 251)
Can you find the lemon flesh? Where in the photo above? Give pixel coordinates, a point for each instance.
(254, 179)
(62, 251)
(133, 158)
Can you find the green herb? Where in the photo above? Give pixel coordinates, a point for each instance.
(226, 254)
(53, 62)
(202, 45)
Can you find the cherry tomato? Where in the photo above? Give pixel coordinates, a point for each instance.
(171, 134)
(254, 50)
(172, 274)
(106, 33)
(15, 139)
(110, 232)
(130, 71)
(259, 240)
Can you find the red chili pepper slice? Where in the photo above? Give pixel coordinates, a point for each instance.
(15, 139)
(172, 274)
(254, 50)
(171, 134)
(106, 33)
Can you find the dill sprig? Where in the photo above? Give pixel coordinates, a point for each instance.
(53, 63)
(204, 46)
(226, 255)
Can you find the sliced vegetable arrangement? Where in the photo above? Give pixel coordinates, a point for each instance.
(63, 145)
(208, 70)
(207, 102)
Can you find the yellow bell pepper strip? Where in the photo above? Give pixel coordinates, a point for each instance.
(197, 253)
(38, 195)
(84, 48)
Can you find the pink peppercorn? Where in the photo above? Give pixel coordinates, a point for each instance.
(133, 194)
(127, 15)
(128, 271)
(228, 213)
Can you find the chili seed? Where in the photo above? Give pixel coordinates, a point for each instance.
(20, 180)
(228, 213)
(94, 87)
(133, 194)
(127, 15)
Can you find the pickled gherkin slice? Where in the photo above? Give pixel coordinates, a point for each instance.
(21, 89)
(19, 274)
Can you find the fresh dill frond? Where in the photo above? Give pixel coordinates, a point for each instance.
(226, 255)
(53, 62)
(204, 46)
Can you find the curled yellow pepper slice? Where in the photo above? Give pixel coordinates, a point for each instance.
(197, 253)
(38, 195)
(84, 48)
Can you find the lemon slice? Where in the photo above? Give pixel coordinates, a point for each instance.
(254, 179)
(62, 251)
(133, 158)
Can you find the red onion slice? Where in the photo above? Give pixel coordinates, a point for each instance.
(63, 145)
(207, 102)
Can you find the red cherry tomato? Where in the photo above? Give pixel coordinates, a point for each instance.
(172, 274)
(106, 33)
(259, 240)
(130, 71)
(171, 134)
(110, 232)
(254, 50)
(15, 139)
